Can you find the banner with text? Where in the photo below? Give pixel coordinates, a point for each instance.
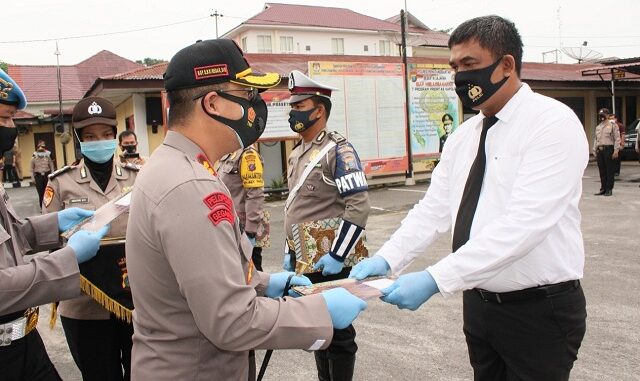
(368, 110)
(433, 107)
(278, 120)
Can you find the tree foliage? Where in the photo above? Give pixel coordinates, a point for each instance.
(150, 61)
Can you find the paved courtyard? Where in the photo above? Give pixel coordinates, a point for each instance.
(428, 344)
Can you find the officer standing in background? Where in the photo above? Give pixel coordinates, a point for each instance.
(128, 142)
(329, 190)
(99, 341)
(242, 172)
(622, 129)
(199, 300)
(24, 286)
(606, 146)
(41, 167)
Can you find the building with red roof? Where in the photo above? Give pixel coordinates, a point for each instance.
(40, 85)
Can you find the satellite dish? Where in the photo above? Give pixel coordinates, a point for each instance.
(581, 53)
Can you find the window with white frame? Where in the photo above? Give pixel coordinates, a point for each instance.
(385, 48)
(244, 44)
(286, 44)
(337, 45)
(264, 44)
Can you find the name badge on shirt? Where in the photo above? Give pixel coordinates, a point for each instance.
(82, 200)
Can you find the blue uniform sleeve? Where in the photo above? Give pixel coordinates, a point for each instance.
(349, 175)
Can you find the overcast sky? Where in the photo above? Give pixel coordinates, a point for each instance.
(611, 28)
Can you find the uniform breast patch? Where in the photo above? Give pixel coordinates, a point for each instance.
(349, 175)
(221, 208)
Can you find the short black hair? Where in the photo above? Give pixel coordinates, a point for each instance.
(494, 33)
(126, 133)
(326, 102)
(181, 101)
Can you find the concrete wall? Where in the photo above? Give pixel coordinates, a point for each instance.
(319, 41)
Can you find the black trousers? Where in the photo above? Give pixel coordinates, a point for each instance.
(256, 257)
(26, 359)
(616, 165)
(606, 166)
(9, 174)
(41, 183)
(534, 339)
(100, 348)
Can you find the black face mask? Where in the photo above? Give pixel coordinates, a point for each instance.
(602, 118)
(253, 121)
(474, 87)
(129, 148)
(299, 120)
(7, 138)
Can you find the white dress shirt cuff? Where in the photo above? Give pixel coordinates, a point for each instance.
(446, 278)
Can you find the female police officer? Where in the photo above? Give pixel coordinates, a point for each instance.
(99, 341)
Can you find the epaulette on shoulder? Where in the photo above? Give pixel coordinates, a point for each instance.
(61, 171)
(132, 167)
(337, 138)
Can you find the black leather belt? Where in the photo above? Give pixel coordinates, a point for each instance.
(527, 293)
(12, 316)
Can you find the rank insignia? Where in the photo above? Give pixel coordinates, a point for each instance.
(202, 159)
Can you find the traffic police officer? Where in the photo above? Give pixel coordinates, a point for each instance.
(198, 299)
(99, 341)
(242, 172)
(336, 187)
(24, 286)
(606, 146)
(41, 167)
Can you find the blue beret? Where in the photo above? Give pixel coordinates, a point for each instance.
(10, 92)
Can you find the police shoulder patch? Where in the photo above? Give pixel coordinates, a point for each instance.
(48, 196)
(61, 171)
(349, 175)
(221, 208)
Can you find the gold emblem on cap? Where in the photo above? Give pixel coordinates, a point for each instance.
(475, 92)
(94, 108)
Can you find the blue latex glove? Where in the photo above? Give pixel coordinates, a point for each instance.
(286, 263)
(277, 282)
(343, 306)
(410, 290)
(373, 266)
(68, 218)
(85, 244)
(329, 265)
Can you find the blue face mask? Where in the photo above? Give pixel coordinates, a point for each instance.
(99, 151)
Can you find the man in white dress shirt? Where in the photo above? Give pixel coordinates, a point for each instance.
(508, 188)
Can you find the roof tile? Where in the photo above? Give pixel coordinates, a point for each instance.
(40, 82)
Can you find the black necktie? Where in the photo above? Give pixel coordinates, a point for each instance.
(472, 188)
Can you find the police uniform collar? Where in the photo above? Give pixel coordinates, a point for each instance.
(319, 138)
(182, 143)
(120, 172)
(83, 175)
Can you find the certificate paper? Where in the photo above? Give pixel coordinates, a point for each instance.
(369, 288)
(104, 215)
